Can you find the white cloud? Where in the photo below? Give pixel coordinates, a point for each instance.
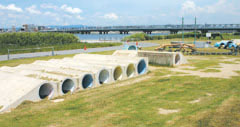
(67, 16)
(33, 10)
(71, 9)
(111, 16)
(48, 6)
(11, 7)
(57, 19)
(190, 7)
(48, 13)
(222, 6)
(79, 17)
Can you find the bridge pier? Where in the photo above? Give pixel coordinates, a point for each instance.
(147, 32)
(204, 31)
(123, 32)
(173, 31)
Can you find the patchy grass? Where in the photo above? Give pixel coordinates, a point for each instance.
(17, 62)
(128, 104)
(104, 52)
(229, 62)
(211, 70)
(202, 64)
(138, 104)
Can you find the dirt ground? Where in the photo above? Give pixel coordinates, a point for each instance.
(226, 70)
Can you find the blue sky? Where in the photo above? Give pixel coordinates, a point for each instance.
(117, 12)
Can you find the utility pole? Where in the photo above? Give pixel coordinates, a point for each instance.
(182, 29)
(195, 30)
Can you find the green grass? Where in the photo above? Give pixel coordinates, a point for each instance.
(58, 47)
(16, 62)
(138, 104)
(211, 70)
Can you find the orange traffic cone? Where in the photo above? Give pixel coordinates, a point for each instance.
(136, 43)
(85, 48)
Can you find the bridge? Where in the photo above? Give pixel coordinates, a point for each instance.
(149, 28)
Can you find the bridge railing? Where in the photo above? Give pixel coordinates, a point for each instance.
(143, 27)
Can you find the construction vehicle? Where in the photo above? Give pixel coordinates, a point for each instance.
(188, 48)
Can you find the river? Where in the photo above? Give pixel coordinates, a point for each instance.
(111, 37)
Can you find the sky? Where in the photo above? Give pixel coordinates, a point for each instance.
(117, 12)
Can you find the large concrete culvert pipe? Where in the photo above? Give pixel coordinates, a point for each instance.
(142, 67)
(101, 74)
(113, 65)
(130, 70)
(15, 89)
(68, 86)
(63, 84)
(177, 59)
(132, 47)
(104, 76)
(118, 73)
(87, 81)
(125, 60)
(46, 90)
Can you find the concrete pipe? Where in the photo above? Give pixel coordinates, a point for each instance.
(16, 89)
(117, 68)
(78, 75)
(80, 78)
(177, 59)
(117, 59)
(101, 74)
(87, 81)
(46, 91)
(142, 67)
(132, 47)
(64, 84)
(163, 58)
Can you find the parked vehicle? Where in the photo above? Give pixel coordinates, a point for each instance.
(221, 44)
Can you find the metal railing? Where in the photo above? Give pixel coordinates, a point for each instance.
(10, 50)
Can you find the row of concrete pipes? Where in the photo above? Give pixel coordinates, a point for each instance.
(56, 77)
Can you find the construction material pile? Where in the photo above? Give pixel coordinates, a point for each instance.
(56, 77)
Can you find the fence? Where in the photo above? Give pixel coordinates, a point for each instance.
(27, 49)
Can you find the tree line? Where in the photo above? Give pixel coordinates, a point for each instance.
(143, 36)
(35, 39)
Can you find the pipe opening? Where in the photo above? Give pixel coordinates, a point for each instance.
(46, 90)
(117, 75)
(177, 59)
(132, 47)
(87, 81)
(130, 70)
(142, 67)
(103, 76)
(68, 86)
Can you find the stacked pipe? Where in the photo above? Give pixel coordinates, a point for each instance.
(57, 77)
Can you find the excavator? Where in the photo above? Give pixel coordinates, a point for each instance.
(184, 48)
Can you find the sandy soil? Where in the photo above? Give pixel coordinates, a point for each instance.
(226, 70)
(167, 111)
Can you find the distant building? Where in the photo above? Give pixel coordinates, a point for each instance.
(41, 28)
(1, 30)
(29, 28)
(13, 29)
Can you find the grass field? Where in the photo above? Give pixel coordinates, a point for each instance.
(56, 47)
(161, 98)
